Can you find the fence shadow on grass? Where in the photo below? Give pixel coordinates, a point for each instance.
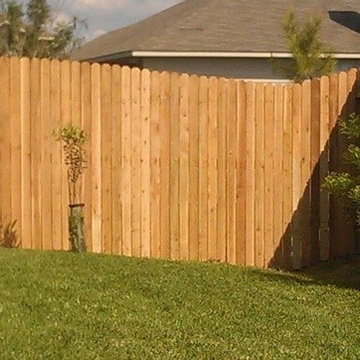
(320, 240)
(342, 273)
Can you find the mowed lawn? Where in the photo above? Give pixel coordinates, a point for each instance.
(58, 305)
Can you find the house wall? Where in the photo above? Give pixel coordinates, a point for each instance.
(244, 68)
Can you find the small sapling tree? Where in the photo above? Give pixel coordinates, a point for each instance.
(73, 139)
(346, 185)
(309, 56)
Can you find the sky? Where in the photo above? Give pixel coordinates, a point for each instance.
(104, 15)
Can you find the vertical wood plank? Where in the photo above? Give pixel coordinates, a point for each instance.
(96, 156)
(135, 161)
(324, 245)
(335, 159)
(278, 174)
(26, 208)
(116, 160)
(203, 167)
(145, 163)
(250, 174)
(56, 166)
(305, 171)
(212, 169)
(75, 92)
(126, 160)
(165, 165)
(296, 173)
(222, 170)
(174, 167)
(15, 140)
(35, 152)
(269, 175)
(287, 178)
(106, 168)
(86, 116)
(231, 136)
(259, 175)
(184, 167)
(241, 214)
(46, 124)
(5, 145)
(65, 95)
(194, 168)
(155, 164)
(315, 180)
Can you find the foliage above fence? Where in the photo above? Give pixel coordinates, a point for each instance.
(180, 167)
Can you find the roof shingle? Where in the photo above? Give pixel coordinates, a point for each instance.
(226, 26)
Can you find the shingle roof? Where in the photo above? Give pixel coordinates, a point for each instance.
(228, 26)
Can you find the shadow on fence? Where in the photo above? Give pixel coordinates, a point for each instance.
(324, 241)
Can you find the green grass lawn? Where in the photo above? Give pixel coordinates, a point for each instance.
(57, 305)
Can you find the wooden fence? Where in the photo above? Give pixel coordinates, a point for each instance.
(179, 167)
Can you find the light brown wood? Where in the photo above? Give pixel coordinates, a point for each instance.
(278, 175)
(15, 143)
(75, 69)
(231, 137)
(296, 178)
(96, 157)
(116, 160)
(135, 161)
(184, 167)
(305, 172)
(155, 164)
(36, 144)
(221, 170)
(269, 175)
(212, 169)
(46, 128)
(165, 165)
(65, 114)
(241, 214)
(259, 174)
(314, 163)
(250, 174)
(86, 126)
(194, 168)
(145, 163)
(203, 167)
(174, 167)
(5, 140)
(286, 240)
(126, 160)
(26, 208)
(179, 167)
(106, 165)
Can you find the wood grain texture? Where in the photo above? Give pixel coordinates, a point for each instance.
(184, 185)
(250, 174)
(179, 167)
(165, 128)
(194, 168)
(269, 174)
(15, 143)
(174, 167)
(26, 206)
(241, 214)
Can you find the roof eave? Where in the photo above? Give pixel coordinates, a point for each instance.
(207, 54)
(248, 54)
